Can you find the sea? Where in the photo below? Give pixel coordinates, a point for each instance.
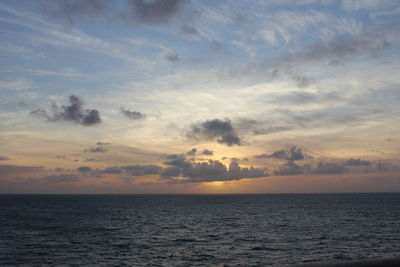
(198, 230)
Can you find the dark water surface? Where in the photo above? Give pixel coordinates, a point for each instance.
(197, 230)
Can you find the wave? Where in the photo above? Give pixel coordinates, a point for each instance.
(395, 262)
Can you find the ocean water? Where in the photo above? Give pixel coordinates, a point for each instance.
(197, 230)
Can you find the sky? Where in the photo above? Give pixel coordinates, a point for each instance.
(193, 97)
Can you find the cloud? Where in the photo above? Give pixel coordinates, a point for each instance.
(290, 168)
(328, 168)
(212, 170)
(72, 113)
(103, 143)
(301, 80)
(257, 127)
(189, 31)
(176, 160)
(217, 171)
(112, 170)
(4, 158)
(155, 11)
(294, 153)
(207, 152)
(15, 85)
(192, 152)
(75, 8)
(220, 130)
(343, 47)
(170, 172)
(7, 171)
(96, 149)
(91, 160)
(84, 169)
(381, 166)
(62, 178)
(368, 42)
(134, 170)
(303, 98)
(140, 170)
(172, 56)
(357, 162)
(133, 115)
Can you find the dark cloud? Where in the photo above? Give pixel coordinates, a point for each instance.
(150, 12)
(293, 153)
(62, 178)
(357, 162)
(140, 170)
(176, 160)
(7, 171)
(220, 130)
(171, 56)
(216, 171)
(102, 144)
(133, 115)
(192, 152)
(91, 160)
(239, 160)
(4, 158)
(207, 152)
(84, 169)
(170, 172)
(328, 168)
(72, 9)
(211, 170)
(155, 11)
(112, 170)
(290, 168)
(133, 170)
(96, 149)
(71, 113)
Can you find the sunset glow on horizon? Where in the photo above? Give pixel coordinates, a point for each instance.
(199, 97)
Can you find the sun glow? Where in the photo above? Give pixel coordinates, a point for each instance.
(216, 183)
